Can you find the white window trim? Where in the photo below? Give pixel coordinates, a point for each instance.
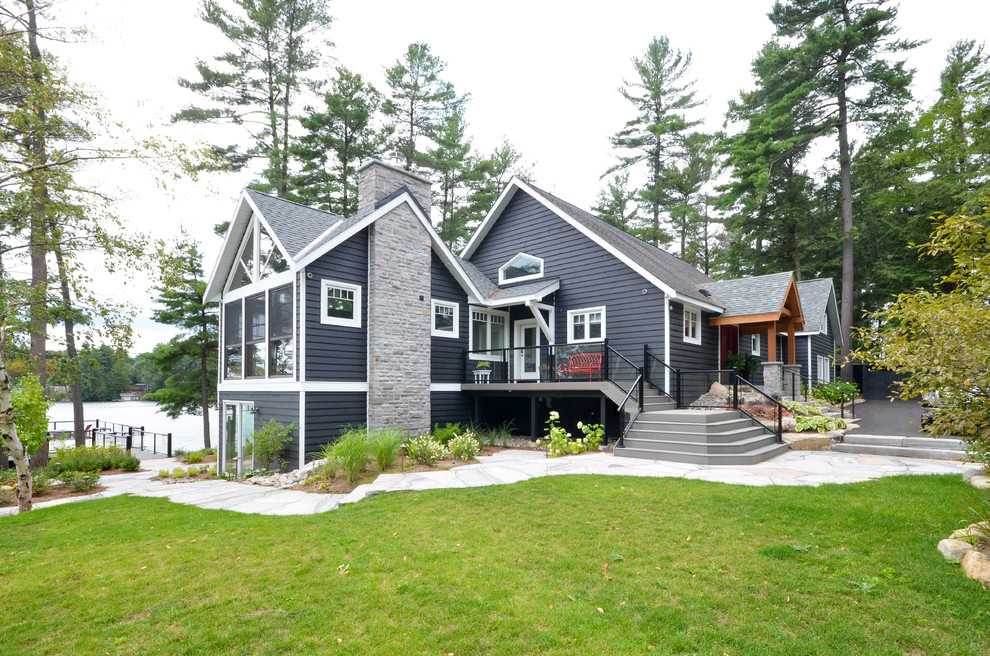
(755, 344)
(824, 369)
(501, 271)
(471, 346)
(570, 324)
(684, 312)
(434, 304)
(354, 322)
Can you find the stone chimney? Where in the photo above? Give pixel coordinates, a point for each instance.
(399, 341)
(376, 180)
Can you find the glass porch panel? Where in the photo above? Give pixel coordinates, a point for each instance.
(229, 463)
(695, 388)
(245, 434)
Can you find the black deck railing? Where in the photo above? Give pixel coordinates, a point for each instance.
(657, 373)
(125, 436)
(546, 363)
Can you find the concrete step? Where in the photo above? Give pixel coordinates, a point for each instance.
(648, 422)
(658, 406)
(741, 445)
(690, 416)
(721, 437)
(900, 451)
(751, 458)
(941, 443)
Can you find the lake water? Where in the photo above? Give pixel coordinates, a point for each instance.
(187, 430)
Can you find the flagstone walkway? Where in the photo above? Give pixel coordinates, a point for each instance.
(511, 466)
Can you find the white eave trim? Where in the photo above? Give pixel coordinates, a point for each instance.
(517, 184)
(502, 301)
(307, 255)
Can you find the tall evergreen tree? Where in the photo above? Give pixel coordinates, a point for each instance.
(661, 95)
(419, 99)
(841, 56)
(615, 204)
(255, 84)
(191, 357)
(337, 140)
(686, 182)
(452, 163)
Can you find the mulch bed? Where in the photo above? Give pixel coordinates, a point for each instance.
(58, 492)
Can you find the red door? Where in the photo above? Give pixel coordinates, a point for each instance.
(729, 340)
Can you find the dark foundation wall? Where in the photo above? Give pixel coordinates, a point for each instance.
(495, 411)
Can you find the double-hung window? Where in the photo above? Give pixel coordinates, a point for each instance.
(254, 336)
(487, 333)
(824, 369)
(233, 333)
(754, 341)
(280, 351)
(692, 325)
(586, 325)
(445, 323)
(340, 304)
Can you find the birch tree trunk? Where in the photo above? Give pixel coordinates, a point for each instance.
(15, 448)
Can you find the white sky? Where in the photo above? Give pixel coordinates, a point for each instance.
(544, 74)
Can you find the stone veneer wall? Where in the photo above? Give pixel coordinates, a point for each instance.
(398, 305)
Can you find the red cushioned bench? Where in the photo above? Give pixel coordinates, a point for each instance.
(582, 363)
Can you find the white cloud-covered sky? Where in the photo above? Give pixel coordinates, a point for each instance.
(543, 74)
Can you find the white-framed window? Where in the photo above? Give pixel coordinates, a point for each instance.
(445, 322)
(487, 333)
(259, 257)
(754, 345)
(521, 267)
(825, 325)
(692, 325)
(340, 304)
(824, 369)
(586, 325)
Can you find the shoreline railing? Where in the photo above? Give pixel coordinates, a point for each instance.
(124, 436)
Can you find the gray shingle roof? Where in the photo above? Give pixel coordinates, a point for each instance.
(674, 271)
(490, 290)
(814, 301)
(480, 280)
(295, 225)
(755, 295)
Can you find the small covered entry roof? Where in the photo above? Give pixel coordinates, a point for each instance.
(760, 304)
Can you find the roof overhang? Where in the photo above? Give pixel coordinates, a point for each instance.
(502, 298)
(230, 250)
(787, 317)
(515, 185)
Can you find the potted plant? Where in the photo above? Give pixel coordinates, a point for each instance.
(482, 371)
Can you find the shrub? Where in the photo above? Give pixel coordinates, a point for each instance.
(464, 447)
(269, 443)
(96, 458)
(834, 392)
(558, 441)
(593, 434)
(352, 450)
(384, 444)
(194, 458)
(818, 423)
(447, 433)
(79, 481)
(40, 483)
(164, 473)
(801, 409)
(7, 497)
(178, 472)
(425, 450)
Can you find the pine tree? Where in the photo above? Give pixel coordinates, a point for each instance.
(337, 140)
(191, 357)
(452, 164)
(419, 99)
(615, 203)
(255, 85)
(661, 96)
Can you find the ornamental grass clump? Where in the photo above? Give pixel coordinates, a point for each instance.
(384, 444)
(352, 452)
(425, 450)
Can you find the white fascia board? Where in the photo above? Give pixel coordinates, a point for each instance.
(271, 233)
(215, 283)
(275, 385)
(504, 301)
(445, 387)
(438, 246)
(516, 183)
(490, 218)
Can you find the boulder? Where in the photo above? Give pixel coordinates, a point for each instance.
(954, 550)
(806, 442)
(980, 482)
(972, 532)
(718, 389)
(977, 567)
(789, 424)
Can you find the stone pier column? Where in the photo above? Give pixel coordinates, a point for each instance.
(773, 378)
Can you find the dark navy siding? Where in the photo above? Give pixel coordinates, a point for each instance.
(283, 407)
(328, 414)
(685, 355)
(590, 276)
(450, 407)
(338, 353)
(821, 345)
(448, 354)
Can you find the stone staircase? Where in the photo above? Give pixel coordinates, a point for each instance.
(943, 448)
(703, 437)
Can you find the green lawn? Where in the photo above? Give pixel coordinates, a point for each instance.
(564, 565)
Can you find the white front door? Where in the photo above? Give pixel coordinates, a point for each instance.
(526, 358)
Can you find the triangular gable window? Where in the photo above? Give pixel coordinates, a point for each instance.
(521, 267)
(259, 257)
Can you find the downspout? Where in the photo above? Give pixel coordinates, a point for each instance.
(301, 372)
